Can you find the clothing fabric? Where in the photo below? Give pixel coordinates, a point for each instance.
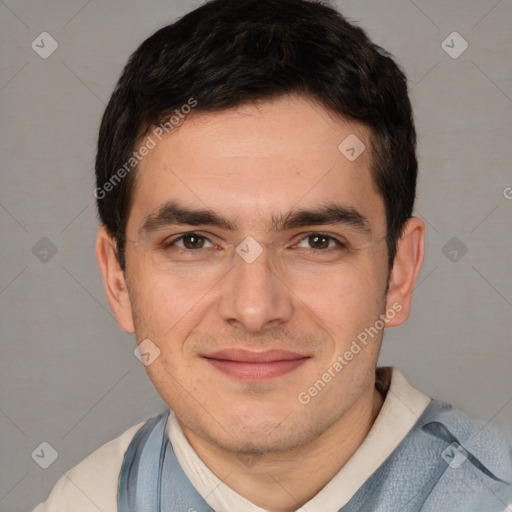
(420, 455)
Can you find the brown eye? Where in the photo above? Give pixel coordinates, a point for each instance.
(188, 241)
(193, 241)
(318, 241)
(321, 241)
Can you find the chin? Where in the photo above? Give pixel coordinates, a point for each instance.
(264, 435)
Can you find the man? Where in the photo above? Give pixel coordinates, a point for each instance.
(256, 176)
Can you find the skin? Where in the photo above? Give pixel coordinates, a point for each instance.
(249, 164)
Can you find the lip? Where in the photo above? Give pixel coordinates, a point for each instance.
(256, 366)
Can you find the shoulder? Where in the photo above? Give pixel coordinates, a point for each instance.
(92, 484)
(474, 460)
(482, 441)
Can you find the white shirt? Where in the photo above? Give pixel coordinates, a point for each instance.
(92, 484)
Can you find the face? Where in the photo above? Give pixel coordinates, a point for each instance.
(256, 256)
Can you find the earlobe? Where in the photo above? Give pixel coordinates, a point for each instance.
(114, 280)
(406, 268)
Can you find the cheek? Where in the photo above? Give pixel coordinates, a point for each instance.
(346, 298)
(161, 301)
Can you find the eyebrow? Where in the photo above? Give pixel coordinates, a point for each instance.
(171, 213)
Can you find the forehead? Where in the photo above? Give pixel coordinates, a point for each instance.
(260, 160)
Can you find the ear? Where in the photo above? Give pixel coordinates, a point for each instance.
(405, 271)
(114, 280)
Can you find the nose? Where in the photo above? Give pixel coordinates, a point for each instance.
(254, 298)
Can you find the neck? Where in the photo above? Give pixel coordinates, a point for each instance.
(277, 482)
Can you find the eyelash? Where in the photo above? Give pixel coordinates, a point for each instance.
(171, 243)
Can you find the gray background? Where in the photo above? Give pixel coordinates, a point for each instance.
(68, 374)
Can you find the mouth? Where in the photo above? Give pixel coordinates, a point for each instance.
(255, 366)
